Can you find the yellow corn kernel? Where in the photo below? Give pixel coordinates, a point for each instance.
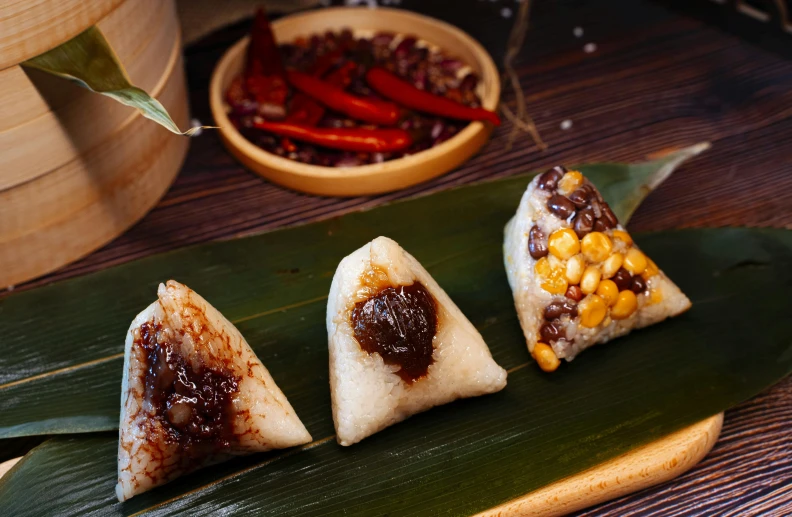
(590, 280)
(611, 264)
(634, 261)
(655, 296)
(569, 182)
(545, 357)
(625, 305)
(608, 291)
(623, 236)
(592, 311)
(552, 276)
(563, 243)
(542, 267)
(574, 269)
(596, 246)
(651, 269)
(555, 283)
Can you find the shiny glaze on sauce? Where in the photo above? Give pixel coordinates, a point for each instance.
(194, 406)
(399, 323)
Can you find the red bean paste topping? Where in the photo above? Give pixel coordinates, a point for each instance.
(399, 323)
(193, 406)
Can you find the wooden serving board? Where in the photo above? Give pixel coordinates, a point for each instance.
(646, 466)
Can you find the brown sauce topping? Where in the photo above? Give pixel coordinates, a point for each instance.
(194, 406)
(399, 323)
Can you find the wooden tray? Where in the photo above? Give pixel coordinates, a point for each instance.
(646, 466)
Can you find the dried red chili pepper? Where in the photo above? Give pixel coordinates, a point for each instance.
(305, 110)
(393, 87)
(367, 110)
(347, 139)
(263, 56)
(264, 72)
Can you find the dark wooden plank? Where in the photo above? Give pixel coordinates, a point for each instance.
(657, 79)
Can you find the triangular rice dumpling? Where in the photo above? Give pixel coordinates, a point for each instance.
(577, 276)
(193, 394)
(398, 344)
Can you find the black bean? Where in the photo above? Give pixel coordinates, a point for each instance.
(571, 309)
(622, 279)
(549, 180)
(609, 216)
(573, 292)
(596, 208)
(537, 243)
(556, 309)
(638, 284)
(560, 206)
(600, 225)
(580, 197)
(552, 332)
(584, 222)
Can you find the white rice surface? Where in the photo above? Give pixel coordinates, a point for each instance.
(530, 298)
(367, 395)
(264, 418)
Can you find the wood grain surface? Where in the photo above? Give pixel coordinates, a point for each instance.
(657, 79)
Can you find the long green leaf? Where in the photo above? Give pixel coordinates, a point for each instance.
(88, 60)
(476, 453)
(61, 346)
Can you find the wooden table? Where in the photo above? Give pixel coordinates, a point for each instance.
(657, 79)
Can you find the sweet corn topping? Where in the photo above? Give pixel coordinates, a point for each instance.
(623, 236)
(608, 291)
(570, 182)
(625, 305)
(596, 246)
(590, 280)
(563, 243)
(655, 296)
(542, 267)
(545, 357)
(574, 269)
(611, 264)
(634, 261)
(555, 283)
(593, 265)
(651, 269)
(592, 311)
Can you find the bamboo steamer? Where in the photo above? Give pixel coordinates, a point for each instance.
(30, 27)
(77, 124)
(77, 174)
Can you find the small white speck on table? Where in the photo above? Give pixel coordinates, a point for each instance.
(588, 48)
(566, 124)
(578, 32)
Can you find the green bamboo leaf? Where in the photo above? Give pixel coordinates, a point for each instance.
(88, 60)
(541, 428)
(60, 371)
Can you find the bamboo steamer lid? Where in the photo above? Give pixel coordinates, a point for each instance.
(77, 208)
(54, 138)
(30, 27)
(135, 29)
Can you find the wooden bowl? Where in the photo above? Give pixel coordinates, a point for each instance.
(373, 178)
